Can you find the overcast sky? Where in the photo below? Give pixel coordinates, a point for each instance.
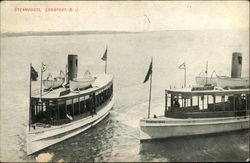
(125, 16)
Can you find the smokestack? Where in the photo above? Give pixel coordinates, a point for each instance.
(236, 65)
(72, 66)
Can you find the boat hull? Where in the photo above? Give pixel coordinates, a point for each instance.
(80, 84)
(170, 127)
(52, 83)
(202, 81)
(228, 82)
(39, 140)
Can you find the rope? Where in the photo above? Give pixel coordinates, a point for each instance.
(49, 76)
(201, 73)
(62, 73)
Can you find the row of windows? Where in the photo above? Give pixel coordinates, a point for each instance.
(236, 102)
(53, 111)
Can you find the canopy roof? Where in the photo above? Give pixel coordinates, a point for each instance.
(219, 92)
(101, 81)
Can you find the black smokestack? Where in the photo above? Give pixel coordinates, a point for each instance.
(236, 65)
(72, 66)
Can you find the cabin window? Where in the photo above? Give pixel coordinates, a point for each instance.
(70, 107)
(76, 106)
(86, 97)
(68, 102)
(82, 98)
(81, 107)
(62, 109)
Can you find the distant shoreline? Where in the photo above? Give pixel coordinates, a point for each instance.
(10, 34)
(62, 33)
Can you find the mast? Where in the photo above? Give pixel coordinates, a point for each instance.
(206, 72)
(150, 89)
(30, 99)
(41, 86)
(104, 58)
(185, 77)
(66, 74)
(105, 66)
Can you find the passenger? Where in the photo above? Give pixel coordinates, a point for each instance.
(176, 103)
(69, 116)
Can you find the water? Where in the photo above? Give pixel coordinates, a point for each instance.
(116, 138)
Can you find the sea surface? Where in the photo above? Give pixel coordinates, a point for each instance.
(116, 138)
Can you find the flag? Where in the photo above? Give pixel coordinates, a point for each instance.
(44, 67)
(149, 72)
(104, 57)
(33, 74)
(182, 66)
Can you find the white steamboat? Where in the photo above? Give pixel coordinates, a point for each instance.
(56, 115)
(201, 110)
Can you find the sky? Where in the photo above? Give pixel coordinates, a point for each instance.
(125, 16)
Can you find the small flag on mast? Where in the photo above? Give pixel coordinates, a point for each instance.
(149, 72)
(104, 57)
(33, 74)
(44, 67)
(182, 66)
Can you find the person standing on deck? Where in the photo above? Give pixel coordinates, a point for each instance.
(69, 116)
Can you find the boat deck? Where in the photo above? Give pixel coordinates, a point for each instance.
(216, 91)
(162, 117)
(166, 121)
(101, 81)
(170, 121)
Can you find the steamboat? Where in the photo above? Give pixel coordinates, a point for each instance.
(63, 112)
(200, 110)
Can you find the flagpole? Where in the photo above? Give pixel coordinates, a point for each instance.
(105, 66)
(106, 60)
(41, 86)
(66, 73)
(206, 72)
(30, 98)
(150, 89)
(185, 77)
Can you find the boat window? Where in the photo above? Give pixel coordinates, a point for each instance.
(75, 100)
(44, 107)
(60, 102)
(82, 98)
(86, 97)
(68, 102)
(76, 107)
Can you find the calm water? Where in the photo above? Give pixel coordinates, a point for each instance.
(116, 138)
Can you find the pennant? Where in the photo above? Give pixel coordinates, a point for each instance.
(182, 66)
(104, 57)
(44, 67)
(149, 72)
(33, 74)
